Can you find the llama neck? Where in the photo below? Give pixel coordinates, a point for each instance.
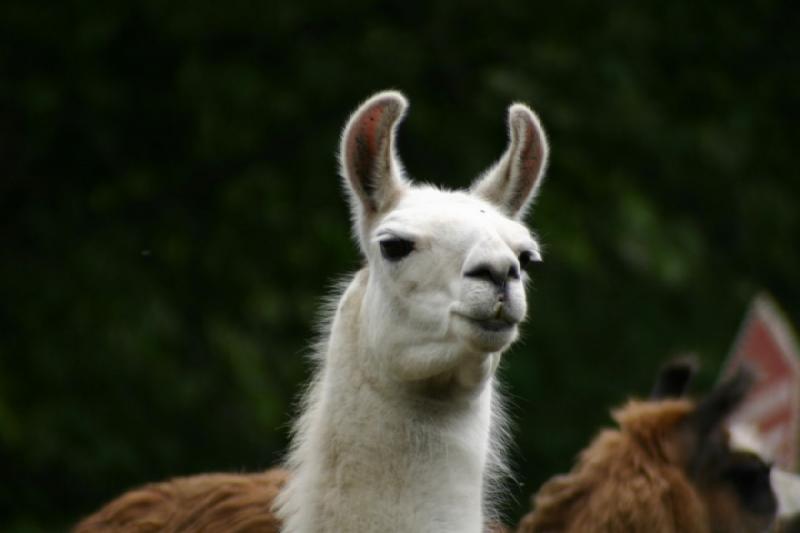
(372, 455)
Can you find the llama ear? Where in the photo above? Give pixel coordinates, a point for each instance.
(512, 182)
(674, 378)
(721, 402)
(372, 173)
(707, 436)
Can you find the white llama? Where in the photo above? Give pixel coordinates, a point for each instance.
(396, 425)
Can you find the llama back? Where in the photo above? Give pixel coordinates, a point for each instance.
(235, 503)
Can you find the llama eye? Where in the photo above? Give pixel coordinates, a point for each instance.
(528, 257)
(396, 249)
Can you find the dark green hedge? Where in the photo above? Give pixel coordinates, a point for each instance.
(171, 213)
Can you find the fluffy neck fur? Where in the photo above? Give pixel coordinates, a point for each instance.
(372, 454)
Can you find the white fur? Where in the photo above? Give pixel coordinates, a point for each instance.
(396, 427)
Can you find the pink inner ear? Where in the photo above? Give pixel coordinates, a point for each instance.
(530, 161)
(368, 125)
(362, 147)
(531, 156)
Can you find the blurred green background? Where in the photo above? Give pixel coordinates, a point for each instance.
(171, 214)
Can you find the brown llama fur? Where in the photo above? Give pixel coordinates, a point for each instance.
(628, 480)
(659, 473)
(233, 503)
(207, 503)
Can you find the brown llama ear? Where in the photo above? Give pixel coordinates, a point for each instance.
(705, 425)
(512, 183)
(674, 378)
(722, 401)
(373, 175)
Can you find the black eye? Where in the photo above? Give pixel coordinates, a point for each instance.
(395, 249)
(528, 257)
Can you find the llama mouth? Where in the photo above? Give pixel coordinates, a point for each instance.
(495, 325)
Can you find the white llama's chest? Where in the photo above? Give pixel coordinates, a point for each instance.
(406, 466)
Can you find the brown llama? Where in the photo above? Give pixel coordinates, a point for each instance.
(669, 468)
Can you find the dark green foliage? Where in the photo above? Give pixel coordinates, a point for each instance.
(171, 214)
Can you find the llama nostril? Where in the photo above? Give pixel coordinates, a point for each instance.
(513, 272)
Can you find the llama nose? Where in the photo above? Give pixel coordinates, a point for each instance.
(496, 274)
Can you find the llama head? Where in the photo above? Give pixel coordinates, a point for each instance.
(446, 269)
(734, 483)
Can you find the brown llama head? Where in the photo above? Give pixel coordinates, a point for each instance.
(735, 484)
(669, 468)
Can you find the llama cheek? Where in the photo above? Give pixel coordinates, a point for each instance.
(409, 287)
